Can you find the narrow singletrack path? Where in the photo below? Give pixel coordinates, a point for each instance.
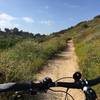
(63, 65)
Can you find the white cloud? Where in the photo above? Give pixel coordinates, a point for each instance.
(5, 17)
(47, 22)
(7, 20)
(28, 19)
(8, 25)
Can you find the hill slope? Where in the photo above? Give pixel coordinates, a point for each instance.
(86, 36)
(22, 57)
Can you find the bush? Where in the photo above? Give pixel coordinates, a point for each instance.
(98, 16)
(85, 26)
(88, 51)
(26, 58)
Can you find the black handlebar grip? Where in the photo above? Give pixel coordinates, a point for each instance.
(94, 81)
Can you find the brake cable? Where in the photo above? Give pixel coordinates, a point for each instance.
(66, 92)
(63, 92)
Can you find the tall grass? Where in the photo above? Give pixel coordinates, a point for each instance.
(26, 58)
(22, 61)
(88, 50)
(87, 44)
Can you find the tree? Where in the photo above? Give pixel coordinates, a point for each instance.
(85, 26)
(98, 16)
(15, 30)
(38, 35)
(7, 30)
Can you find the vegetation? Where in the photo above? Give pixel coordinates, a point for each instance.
(27, 55)
(23, 54)
(86, 36)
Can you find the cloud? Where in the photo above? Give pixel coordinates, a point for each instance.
(28, 19)
(47, 22)
(5, 17)
(8, 24)
(7, 20)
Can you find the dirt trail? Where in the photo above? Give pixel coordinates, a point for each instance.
(65, 64)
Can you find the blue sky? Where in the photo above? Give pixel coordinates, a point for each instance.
(46, 16)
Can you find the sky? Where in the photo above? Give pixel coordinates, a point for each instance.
(46, 16)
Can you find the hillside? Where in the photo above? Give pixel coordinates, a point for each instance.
(9, 37)
(27, 52)
(22, 55)
(86, 36)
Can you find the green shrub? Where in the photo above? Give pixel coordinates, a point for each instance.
(88, 51)
(26, 58)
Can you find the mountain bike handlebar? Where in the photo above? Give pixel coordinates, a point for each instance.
(6, 87)
(47, 83)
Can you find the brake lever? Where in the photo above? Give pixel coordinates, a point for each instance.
(45, 84)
